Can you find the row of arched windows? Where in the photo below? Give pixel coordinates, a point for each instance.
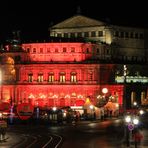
(51, 77)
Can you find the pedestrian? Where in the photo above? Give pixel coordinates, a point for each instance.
(3, 128)
(102, 114)
(137, 136)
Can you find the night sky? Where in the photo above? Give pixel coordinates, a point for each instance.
(33, 18)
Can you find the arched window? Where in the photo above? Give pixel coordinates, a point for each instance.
(51, 77)
(64, 49)
(34, 50)
(62, 77)
(40, 77)
(30, 77)
(73, 77)
(98, 51)
(56, 49)
(87, 50)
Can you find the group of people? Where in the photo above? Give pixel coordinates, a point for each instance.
(105, 112)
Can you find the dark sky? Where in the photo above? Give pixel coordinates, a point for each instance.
(34, 17)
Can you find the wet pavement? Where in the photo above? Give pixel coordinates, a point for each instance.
(12, 139)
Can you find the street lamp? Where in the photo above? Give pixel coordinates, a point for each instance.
(104, 90)
(124, 92)
(91, 108)
(54, 109)
(101, 99)
(141, 112)
(127, 120)
(131, 124)
(135, 104)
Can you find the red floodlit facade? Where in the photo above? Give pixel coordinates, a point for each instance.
(56, 74)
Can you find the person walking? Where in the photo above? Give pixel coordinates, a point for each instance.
(138, 137)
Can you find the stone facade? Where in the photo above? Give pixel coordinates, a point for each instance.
(128, 42)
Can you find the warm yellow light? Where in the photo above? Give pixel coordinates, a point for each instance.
(135, 103)
(91, 106)
(87, 100)
(135, 121)
(54, 108)
(128, 119)
(141, 112)
(1, 115)
(117, 105)
(105, 90)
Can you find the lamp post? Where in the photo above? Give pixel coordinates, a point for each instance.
(124, 92)
(131, 124)
(101, 99)
(91, 108)
(135, 121)
(135, 104)
(127, 120)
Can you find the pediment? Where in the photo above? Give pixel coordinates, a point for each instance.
(78, 21)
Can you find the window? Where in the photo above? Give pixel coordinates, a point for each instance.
(121, 34)
(34, 50)
(86, 34)
(93, 34)
(48, 49)
(87, 50)
(79, 34)
(51, 77)
(141, 35)
(107, 51)
(65, 35)
(72, 49)
(40, 77)
(98, 50)
(136, 35)
(41, 50)
(100, 33)
(30, 77)
(62, 77)
(64, 49)
(72, 35)
(126, 34)
(116, 34)
(73, 77)
(59, 35)
(28, 49)
(131, 35)
(56, 49)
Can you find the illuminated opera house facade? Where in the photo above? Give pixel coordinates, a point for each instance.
(56, 74)
(66, 73)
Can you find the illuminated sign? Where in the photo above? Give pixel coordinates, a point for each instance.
(131, 79)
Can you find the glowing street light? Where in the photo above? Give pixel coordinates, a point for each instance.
(135, 121)
(135, 103)
(124, 96)
(128, 119)
(131, 124)
(54, 108)
(141, 112)
(91, 108)
(104, 90)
